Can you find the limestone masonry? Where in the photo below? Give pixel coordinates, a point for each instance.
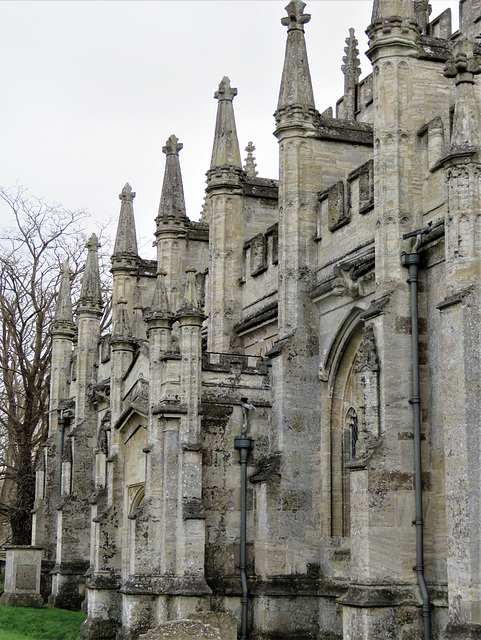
(330, 321)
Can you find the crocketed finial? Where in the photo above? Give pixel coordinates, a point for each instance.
(250, 165)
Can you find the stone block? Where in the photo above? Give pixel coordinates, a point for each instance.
(22, 577)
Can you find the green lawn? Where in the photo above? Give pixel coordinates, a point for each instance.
(19, 623)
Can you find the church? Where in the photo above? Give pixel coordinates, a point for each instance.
(283, 423)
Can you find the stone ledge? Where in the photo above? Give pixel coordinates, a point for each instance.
(462, 632)
(166, 585)
(269, 312)
(280, 587)
(100, 582)
(379, 596)
(454, 299)
(71, 568)
(346, 131)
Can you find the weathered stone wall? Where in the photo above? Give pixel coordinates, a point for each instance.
(298, 303)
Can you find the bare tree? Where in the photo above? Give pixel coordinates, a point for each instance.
(40, 239)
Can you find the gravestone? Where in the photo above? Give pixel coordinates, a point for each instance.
(226, 624)
(22, 577)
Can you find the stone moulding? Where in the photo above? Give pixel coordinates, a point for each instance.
(134, 407)
(267, 468)
(378, 596)
(262, 188)
(345, 131)
(378, 307)
(166, 585)
(457, 298)
(70, 568)
(356, 266)
(171, 408)
(269, 312)
(101, 581)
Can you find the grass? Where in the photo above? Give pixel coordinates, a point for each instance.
(21, 623)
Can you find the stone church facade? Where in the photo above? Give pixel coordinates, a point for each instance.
(328, 320)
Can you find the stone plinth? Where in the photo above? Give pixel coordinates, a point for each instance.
(22, 577)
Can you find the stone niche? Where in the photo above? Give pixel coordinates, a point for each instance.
(22, 577)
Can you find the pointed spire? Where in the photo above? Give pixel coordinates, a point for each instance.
(226, 146)
(422, 11)
(351, 70)
(63, 312)
(160, 301)
(250, 165)
(172, 202)
(191, 306)
(122, 327)
(90, 296)
(138, 324)
(191, 299)
(296, 85)
(389, 8)
(466, 134)
(126, 239)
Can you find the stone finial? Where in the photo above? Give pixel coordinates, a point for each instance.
(191, 299)
(63, 311)
(296, 18)
(122, 327)
(392, 8)
(226, 145)
(422, 11)
(138, 325)
(172, 146)
(463, 66)
(351, 59)
(296, 85)
(225, 91)
(90, 296)
(352, 71)
(250, 165)
(127, 195)
(160, 301)
(172, 201)
(126, 239)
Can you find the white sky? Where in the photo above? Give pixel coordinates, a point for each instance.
(91, 90)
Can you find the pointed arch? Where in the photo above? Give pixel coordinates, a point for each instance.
(346, 414)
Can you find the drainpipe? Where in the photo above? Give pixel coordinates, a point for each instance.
(244, 444)
(412, 262)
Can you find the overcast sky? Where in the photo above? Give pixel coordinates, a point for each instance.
(91, 90)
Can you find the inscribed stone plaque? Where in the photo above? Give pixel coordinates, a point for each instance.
(26, 577)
